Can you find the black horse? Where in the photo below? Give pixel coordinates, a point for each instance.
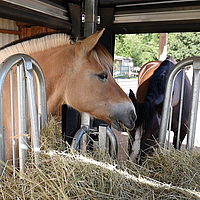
(149, 112)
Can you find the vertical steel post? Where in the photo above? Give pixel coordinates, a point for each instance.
(13, 118)
(180, 109)
(35, 138)
(194, 103)
(90, 26)
(91, 9)
(22, 117)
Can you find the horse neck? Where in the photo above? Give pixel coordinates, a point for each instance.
(55, 64)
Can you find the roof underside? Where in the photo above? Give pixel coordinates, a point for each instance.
(129, 16)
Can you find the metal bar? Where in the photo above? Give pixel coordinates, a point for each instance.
(79, 134)
(168, 96)
(22, 118)
(35, 139)
(42, 7)
(113, 140)
(170, 125)
(194, 103)
(180, 109)
(4, 70)
(5, 67)
(13, 118)
(41, 94)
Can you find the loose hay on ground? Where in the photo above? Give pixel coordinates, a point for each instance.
(69, 175)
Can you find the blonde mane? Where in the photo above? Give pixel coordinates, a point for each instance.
(35, 45)
(46, 42)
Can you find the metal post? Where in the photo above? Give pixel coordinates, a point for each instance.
(194, 103)
(89, 28)
(180, 109)
(91, 8)
(13, 118)
(22, 117)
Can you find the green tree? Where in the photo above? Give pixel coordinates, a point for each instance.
(183, 45)
(143, 48)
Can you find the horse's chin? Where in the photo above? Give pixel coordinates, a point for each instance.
(119, 126)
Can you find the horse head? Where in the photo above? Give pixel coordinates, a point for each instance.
(92, 83)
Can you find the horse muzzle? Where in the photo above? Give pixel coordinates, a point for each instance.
(124, 116)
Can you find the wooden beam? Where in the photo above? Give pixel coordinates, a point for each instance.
(14, 32)
(162, 47)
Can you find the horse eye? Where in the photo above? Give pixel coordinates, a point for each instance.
(103, 76)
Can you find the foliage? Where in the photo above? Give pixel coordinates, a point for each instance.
(183, 45)
(143, 48)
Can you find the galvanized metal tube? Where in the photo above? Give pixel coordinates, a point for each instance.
(35, 139)
(13, 118)
(194, 103)
(168, 96)
(77, 138)
(5, 67)
(180, 109)
(4, 70)
(41, 94)
(170, 125)
(22, 118)
(114, 145)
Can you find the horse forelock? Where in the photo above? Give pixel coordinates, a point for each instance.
(103, 57)
(32, 45)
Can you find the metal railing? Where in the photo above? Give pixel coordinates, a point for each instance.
(165, 119)
(26, 102)
(80, 140)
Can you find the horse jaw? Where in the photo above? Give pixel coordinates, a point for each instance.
(123, 116)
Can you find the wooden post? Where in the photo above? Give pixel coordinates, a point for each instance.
(162, 47)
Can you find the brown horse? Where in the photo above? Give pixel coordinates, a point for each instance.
(76, 73)
(148, 105)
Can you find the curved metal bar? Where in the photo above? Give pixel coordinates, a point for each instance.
(41, 90)
(114, 145)
(5, 67)
(78, 136)
(195, 61)
(29, 64)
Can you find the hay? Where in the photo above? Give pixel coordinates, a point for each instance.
(65, 174)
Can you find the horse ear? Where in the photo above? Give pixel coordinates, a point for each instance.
(133, 98)
(89, 43)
